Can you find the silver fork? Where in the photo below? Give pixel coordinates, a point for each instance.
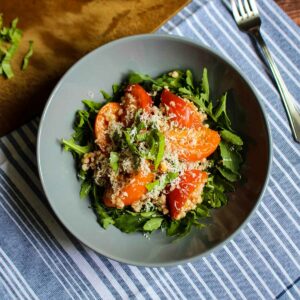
(247, 18)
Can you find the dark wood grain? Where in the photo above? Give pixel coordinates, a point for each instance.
(63, 31)
(292, 8)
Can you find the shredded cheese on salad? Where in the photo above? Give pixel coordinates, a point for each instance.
(158, 153)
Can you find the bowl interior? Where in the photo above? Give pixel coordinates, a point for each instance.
(151, 54)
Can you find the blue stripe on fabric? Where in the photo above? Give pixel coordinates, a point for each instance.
(32, 128)
(23, 253)
(42, 246)
(22, 154)
(25, 176)
(59, 251)
(19, 168)
(7, 263)
(27, 141)
(10, 286)
(279, 296)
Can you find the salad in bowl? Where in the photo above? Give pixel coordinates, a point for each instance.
(156, 154)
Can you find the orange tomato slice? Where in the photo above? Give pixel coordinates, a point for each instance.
(191, 181)
(182, 111)
(108, 113)
(132, 191)
(193, 145)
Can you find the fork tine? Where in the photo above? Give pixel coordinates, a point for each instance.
(235, 11)
(254, 7)
(247, 8)
(242, 9)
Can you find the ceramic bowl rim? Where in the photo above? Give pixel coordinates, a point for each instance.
(157, 37)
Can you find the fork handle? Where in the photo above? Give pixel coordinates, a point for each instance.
(292, 113)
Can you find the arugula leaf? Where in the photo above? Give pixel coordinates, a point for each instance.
(205, 86)
(130, 223)
(220, 115)
(129, 142)
(105, 95)
(113, 160)
(231, 159)
(153, 224)
(85, 189)
(115, 88)
(228, 174)
(27, 56)
(138, 78)
(160, 150)
(189, 79)
(230, 137)
(70, 145)
(92, 105)
(103, 217)
(162, 182)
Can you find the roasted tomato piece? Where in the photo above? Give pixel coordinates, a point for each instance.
(131, 192)
(181, 111)
(135, 98)
(191, 144)
(108, 113)
(187, 195)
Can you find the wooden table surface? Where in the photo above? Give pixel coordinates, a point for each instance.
(292, 8)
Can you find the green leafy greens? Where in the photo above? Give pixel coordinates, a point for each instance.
(223, 166)
(10, 38)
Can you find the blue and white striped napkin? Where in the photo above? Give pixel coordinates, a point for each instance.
(39, 259)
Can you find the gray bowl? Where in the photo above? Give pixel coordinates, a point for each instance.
(153, 55)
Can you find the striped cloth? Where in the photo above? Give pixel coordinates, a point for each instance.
(39, 259)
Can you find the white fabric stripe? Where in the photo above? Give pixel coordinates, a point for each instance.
(59, 234)
(289, 254)
(25, 149)
(218, 278)
(248, 278)
(35, 233)
(35, 123)
(242, 255)
(276, 261)
(285, 124)
(108, 274)
(170, 280)
(29, 134)
(23, 164)
(275, 25)
(280, 203)
(13, 280)
(167, 294)
(230, 279)
(7, 288)
(250, 63)
(284, 233)
(33, 245)
(286, 161)
(41, 237)
(167, 283)
(16, 271)
(192, 283)
(271, 269)
(286, 174)
(138, 274)
(117, 266)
